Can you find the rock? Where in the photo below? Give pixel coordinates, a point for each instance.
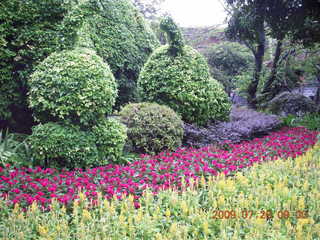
(291, 103)
(245, 124)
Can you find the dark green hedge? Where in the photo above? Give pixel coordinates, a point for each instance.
(29, 31)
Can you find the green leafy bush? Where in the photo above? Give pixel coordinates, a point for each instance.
(29, 31)
(32, 30)
(309, 120)
(178, 76)
(8, 146)
(55, 145)
(110, 137)
(227, 60)
(230, 57)
(152, 128)
(121, 37)
(74, 86)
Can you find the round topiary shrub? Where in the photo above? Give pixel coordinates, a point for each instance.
(110, 137)
(152, 128)
(54, 145)
(75, 86)
(178, 76)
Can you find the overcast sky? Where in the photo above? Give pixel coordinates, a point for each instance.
(189, 13)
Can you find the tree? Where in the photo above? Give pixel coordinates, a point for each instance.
(227, 60)
(247, 25)
(252, 21)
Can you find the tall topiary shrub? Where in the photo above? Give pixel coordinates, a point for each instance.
(74, 86)
(121, 36)
(71, 92)
(152, 128)
(178, 76)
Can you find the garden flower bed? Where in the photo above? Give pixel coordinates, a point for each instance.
(26, 185)
(274, 200)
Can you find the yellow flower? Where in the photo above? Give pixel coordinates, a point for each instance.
(82, 196)
(106, 204)
(203, 181)
(16, 208)
(173, 228)
(168, 213)
(34, 207)
(221, 200)
(301, 204)
(121, 219)
(260, 222)
(184, 207)
(139, 216)
(276, 224)
(230, 186)
(86, 215)
(205, 227)
(43, 231)
(288, 226)
(158, 236)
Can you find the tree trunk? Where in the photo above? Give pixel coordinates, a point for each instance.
(274, 69)
(259, 55)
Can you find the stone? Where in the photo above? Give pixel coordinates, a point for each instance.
(291, 103)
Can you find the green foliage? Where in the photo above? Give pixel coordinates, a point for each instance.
(183, 83)
(8, 147)
(309, 120)
(244, 79)
(110, 137)
(231, 59)
(152, 128)
(55, 145)
(29, 31)
(174, 36)
(74, 86)
(32, 30)
(121, 37)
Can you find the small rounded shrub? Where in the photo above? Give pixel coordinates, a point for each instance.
(74, 86)
(55, 145)
(152, 128)
(110, 137)
(178, 76)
